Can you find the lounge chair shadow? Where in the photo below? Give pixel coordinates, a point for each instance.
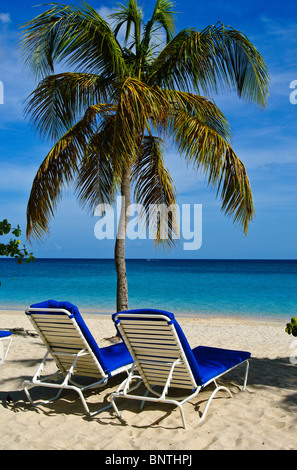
(134, 408)
(264, 373)
(67, 404)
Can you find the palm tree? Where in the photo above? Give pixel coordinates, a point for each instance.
(109, 116)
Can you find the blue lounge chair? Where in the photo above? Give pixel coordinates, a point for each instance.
(163, 358)
(5, 342)
(74, 350)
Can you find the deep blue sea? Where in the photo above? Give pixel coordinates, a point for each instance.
(198, 287)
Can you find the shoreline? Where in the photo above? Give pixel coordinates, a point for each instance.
(191, 315)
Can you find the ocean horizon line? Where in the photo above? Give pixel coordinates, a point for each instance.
(86, 310)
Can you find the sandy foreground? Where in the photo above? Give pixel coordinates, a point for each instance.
(262, 417)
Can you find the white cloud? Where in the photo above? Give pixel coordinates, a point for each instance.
(16, 178)
(16, 79)
(278, 27)
(104, 12)
(5, 18)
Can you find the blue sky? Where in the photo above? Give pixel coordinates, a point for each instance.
(266, 141)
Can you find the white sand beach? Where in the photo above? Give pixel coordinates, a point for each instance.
(263, 417)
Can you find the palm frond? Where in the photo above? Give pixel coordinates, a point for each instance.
(77, 36)
(57, 171)
(172, 69)
(203, 109)
(210, 61)
(97, 181)
(60, 100)
(155, 191)
(209, 151)
(129, 14)
(235, 191)
(139, 107)
(163, 16)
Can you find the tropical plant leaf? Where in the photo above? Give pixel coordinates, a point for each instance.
(210, 61)
(163, 16)
(138, 108)
(60, 100)
(155, 191)
(58, 170)
(77, 36)
(202, 138)
(97, 180)
(129, 14)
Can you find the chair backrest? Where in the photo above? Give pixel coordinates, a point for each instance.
(65, 333)
(155, 341)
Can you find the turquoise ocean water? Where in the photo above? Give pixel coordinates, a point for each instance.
(255, 288)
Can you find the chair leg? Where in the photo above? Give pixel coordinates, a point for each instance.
(182, 415)
(246, 375)
(143, 401)
(115, 407)
(26, 384)
(211, 397)
(5, 349)
(224, 388)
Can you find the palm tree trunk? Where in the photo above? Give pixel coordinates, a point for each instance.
(119, 254)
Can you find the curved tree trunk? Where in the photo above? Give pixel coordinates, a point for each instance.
(119, 254)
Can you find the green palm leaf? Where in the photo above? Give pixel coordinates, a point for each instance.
(154, 188)
(60, 100)
(77, 36)
(163, 16)
(58, 169)
(202, 136)
(97, 180)
(210, 61)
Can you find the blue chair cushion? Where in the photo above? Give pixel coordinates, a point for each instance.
(110, 357)
(215, 361)
(5, 334)
(205, 362)
(116, 356)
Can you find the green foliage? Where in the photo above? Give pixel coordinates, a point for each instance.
(291, 328)
(12, 248)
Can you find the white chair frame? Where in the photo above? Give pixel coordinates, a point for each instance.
(67, 362)
(124, 389)
(6, 347)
